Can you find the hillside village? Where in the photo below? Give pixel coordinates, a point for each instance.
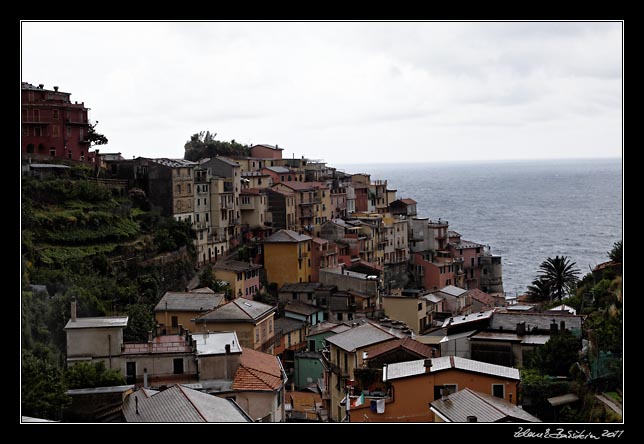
(311, 294)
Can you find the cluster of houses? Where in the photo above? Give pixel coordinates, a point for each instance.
(382, 315)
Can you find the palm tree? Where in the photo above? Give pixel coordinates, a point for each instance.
(539, 290)
(560, 274)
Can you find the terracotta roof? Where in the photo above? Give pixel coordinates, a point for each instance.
(232, 265)
(268, 146)
(422, 350)
(257, 371)
(482, 297)
(302, 308)
(320, 241)
(408, 201)
(239, 309)
(301, 186)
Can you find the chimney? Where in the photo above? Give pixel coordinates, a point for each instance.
(145, 377)
(56, 88)
(428, 365)
(150, 341)
(562, 326)
(444, 394)
(41, 86)
(471, 418)
(227, 349)
(553, 327)
(521, 328)
(136, 403)
(73, 309)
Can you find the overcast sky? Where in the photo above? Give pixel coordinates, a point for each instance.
(343, 92)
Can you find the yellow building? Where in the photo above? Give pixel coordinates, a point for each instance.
(243, 277)
(287, 257)
(179, 308)
(252, 321)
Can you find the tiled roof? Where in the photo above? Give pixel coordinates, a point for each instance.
(359, 337)
(408, 201)
(191, 301)
(286, 325)
(228, 161)
(302, 308)
(320, 241)
(282, 192)
(160, 344)
(413, 368)
(258, 371)
(181, 404)
(239, 309)
(409, 344)
(174, 163)
(287, 236)
(466, 244)
(486, 408)
(203, 290)
(481, 296)
(231, 265)
(326, 326)
(100, 322)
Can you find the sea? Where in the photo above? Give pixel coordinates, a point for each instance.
(525, 210)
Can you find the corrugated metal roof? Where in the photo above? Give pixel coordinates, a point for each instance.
(96, 390)
(433, 298)
(100, 322)
(214, 343)
(239, 309)
(278, 169)
(458, 406)
(180, 404)
(175, 163)
(563, 399)
(451, 290)
(413, 368)
(287, 236)
(474, 317)
(508, 321)
(359, 337)
(192, 301)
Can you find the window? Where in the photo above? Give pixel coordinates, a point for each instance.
(81, 135)
(175, 321)
(69, 154)
(178, 366)
(25, 130)
(178, 188)
(205, 201)
(498, 390)
(206, 217)
(279, 397)
(340, 317)
(346, 363)
(52, 151)
(189, 189)
(198, 202)
(256, 334)
(197, 217)
(69, 131)
(420, 306)
(37, 131)
(54, 114)
(55, 131)
(295, 296)
(30, 148)
(270, 326)
(36, 115)
(288, 340)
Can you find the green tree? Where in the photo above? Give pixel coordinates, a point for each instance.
(204, 144)
(557, 355)
(539, 291)
(617, 253)
(207, 278)
(94, 137)
(43, 388)
(140, 322)
(560, 274)
(92, 374)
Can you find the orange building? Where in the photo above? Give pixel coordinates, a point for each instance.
(287, 257)
(414, 385)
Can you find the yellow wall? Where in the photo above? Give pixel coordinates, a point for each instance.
(249, 335)
(282, 264)
(183, 318)
(405, 309)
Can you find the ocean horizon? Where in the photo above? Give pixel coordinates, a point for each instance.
(525, 210)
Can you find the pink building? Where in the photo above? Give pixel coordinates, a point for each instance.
(266, 151)
(468, 252)
(434, 272)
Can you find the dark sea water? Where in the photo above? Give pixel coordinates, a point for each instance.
(525, 210)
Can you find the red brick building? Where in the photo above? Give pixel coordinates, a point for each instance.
(53, 126)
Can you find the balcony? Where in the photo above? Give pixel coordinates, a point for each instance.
(200, 225)
(226, 205)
